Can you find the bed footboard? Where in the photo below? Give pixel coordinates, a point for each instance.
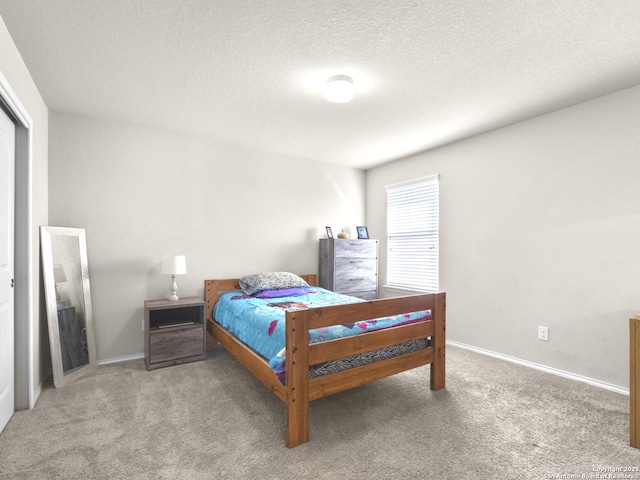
(300, 354)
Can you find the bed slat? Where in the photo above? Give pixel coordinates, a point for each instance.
(354, 377)
(355, 312)
(365, 342)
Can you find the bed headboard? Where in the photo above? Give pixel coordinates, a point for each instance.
(213, 289)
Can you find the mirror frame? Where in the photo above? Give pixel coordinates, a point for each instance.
(46, 233)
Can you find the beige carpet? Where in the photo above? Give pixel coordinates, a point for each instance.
(213, 420)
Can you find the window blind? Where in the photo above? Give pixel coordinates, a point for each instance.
(413, 234)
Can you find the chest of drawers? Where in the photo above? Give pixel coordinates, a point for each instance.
(349, 266)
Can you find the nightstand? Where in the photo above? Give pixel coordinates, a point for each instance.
(174, 332)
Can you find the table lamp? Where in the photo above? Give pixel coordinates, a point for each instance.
(174, 265)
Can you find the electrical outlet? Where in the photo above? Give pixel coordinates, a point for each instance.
(543, 333)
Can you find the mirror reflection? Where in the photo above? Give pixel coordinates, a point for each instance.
(67, 292)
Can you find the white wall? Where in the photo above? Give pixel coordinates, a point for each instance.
(141, 193)
(37, 361)
(540, 225)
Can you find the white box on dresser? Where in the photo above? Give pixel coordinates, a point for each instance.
(349, 266)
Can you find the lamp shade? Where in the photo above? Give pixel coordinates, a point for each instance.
(58, 273)
(174, 265)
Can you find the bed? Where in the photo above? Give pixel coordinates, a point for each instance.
(295, 388)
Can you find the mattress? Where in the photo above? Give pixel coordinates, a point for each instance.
(258, 321)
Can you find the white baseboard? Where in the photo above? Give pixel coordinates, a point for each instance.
(544, 368)
(126, 358)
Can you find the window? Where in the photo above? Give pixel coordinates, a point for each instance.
(412, 234)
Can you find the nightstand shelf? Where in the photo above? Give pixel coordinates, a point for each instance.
(174, 332)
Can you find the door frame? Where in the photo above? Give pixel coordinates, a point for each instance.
(23, 246)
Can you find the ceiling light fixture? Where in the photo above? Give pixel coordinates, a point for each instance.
(339, 89)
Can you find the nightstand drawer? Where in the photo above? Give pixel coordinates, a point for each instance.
(176, 343)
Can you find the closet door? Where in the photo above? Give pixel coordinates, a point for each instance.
(7, 338)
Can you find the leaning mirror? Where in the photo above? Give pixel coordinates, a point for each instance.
(66, 286)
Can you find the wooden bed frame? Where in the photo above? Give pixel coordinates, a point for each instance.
(299, 389)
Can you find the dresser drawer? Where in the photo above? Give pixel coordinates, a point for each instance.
(355, 284)
(176, 343)
(356, 248)
(368, 295)
(355, 267)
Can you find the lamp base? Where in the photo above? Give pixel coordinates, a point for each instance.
(174, 289)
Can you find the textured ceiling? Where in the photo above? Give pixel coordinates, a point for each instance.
(251, 72)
